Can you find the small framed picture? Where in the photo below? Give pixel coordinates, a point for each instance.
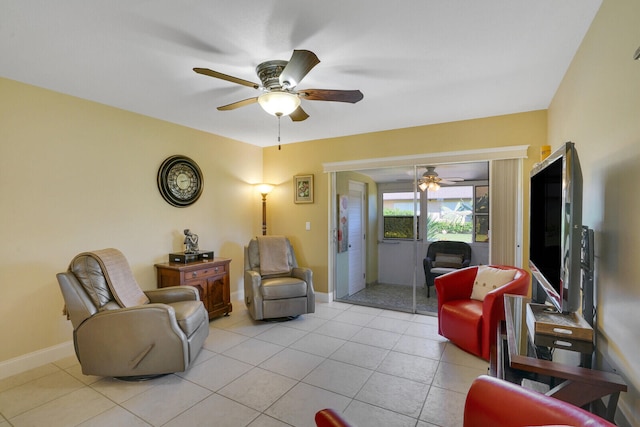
(482, 228)
(482, 199)
(303, 189)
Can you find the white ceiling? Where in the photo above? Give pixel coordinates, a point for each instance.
(417, 62)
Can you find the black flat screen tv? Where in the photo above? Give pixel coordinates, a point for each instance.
(555, 227)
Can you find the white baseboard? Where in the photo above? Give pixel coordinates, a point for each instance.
(324, 297)
(37, 358)
(237, 296)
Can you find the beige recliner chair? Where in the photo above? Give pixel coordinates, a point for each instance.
(121, 331)
(274, 285)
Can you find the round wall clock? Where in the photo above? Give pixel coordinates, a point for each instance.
(180, 181)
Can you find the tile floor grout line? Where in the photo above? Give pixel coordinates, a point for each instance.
(369, 326)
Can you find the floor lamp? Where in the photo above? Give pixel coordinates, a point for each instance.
(264, 189)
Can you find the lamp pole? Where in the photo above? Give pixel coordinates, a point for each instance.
(264, 214)
(264, 189)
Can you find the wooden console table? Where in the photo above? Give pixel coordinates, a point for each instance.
(211, 278)
(519, 355)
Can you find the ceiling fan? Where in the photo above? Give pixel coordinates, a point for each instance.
(431, 181)
(280, 96)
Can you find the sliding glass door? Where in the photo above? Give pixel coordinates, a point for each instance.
(398, 221)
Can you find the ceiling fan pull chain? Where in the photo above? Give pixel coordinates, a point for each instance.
(279, 115)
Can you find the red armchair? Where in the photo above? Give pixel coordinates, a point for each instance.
(470, 323)
(495, 402)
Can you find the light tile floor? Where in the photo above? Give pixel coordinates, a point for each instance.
(376, 367)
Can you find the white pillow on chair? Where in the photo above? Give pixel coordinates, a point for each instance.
(488, 279)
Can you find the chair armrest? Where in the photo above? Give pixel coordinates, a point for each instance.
(427, 263)
(306, 274)
(303, 273)
(252, 281)
(252, 295)
(173, 294)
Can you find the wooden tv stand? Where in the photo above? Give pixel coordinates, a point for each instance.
(521, 354)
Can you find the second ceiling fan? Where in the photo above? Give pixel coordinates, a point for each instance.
(431, 180)
(279, 82)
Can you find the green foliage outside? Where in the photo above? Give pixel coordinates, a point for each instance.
(398, 227)
(431, 229)
(450, 227)
(401, 227)
(454, 223)
(397, 212)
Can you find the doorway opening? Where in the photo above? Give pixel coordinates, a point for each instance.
(504, 244)
(403, 220)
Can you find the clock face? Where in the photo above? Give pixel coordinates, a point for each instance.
(180, 181)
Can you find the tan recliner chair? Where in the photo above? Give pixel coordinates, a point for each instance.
(121, 331)
(274, 285)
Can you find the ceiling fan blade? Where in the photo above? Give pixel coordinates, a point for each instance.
(299, 115)
(301, 62)
(238, 104)
(211, 73)
(351, 96)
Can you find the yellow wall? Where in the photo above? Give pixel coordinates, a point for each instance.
(77, 176)
(280, 166)
(598, 107)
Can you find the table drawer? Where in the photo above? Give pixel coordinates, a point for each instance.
(202, 273)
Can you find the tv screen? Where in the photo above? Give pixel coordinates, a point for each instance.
(555, 225)
(546, 220)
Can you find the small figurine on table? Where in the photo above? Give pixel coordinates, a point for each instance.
(191, 242)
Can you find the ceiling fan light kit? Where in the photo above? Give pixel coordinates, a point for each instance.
(431, 186)
(431, 181)
(279, 103)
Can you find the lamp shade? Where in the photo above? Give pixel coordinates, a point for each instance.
(264, 188)
(279, 103)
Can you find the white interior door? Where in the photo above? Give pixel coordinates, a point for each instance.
(357, 251)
